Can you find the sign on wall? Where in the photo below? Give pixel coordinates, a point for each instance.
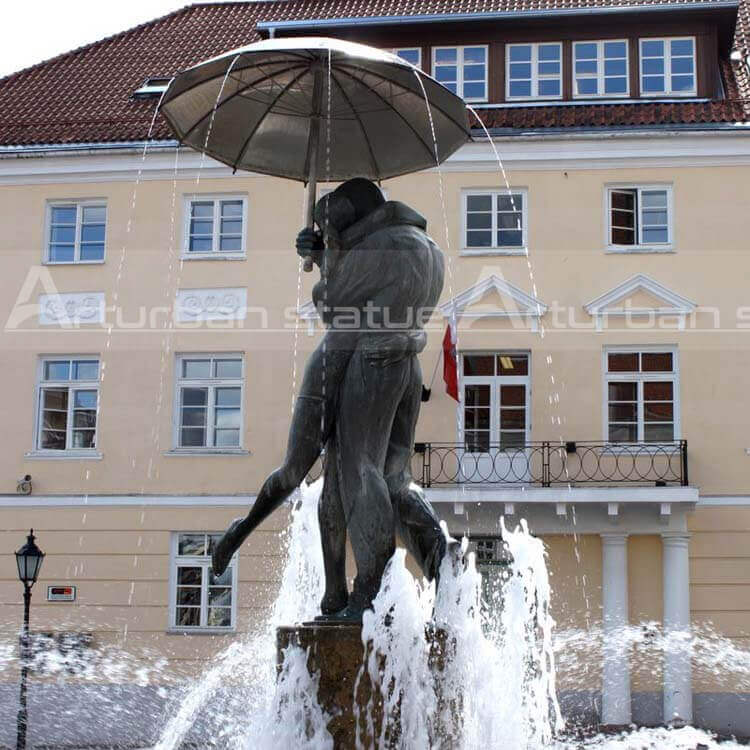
(61, 593)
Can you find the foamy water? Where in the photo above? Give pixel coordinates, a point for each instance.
(496, 687)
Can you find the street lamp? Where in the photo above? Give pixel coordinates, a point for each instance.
(29, 561)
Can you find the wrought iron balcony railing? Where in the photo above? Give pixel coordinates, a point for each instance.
(548, 463)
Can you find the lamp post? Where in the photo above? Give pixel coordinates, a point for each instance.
(29, 561)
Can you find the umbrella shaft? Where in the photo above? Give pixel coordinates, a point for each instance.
(312, 170)
(312, 151)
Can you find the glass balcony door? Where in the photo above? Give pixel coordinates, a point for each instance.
(496, 425)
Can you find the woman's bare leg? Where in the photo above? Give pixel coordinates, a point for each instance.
(303, 448)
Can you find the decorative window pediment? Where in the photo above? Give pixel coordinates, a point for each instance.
(512, 303)
(640, 296)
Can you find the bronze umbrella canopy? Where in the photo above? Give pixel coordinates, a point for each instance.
(311, 108)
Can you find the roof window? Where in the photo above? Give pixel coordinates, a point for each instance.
(152, 88)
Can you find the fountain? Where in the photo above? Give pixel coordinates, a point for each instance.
(402, 661)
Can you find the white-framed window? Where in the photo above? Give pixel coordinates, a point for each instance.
(463, 70)
(496, 402)
(495, 221)
(668, 66)
(493, 563)
(215, 226)
(208, 401)
(67, 404)
(76, 231)
(600, 68)
(199, 600)
(641, 394)
(152, 88)
(639, 217)
(533, 71)
(412, 55)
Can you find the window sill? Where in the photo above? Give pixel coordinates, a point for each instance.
(475, 251)
(70, 455)
(74, 262)
(639, 250)
(641, 449)
(527, 99)
(601, 98)
(201, 631)
(669, 94)
(213, 256)
(207, 452)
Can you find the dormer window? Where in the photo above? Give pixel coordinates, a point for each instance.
(668, 67)
(412, 55)
(600, 68)
(534, 71)
(463, 70)
(152, 88)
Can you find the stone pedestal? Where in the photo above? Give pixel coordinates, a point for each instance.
(336, 654)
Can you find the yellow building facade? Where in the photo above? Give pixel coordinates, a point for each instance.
(156, 323)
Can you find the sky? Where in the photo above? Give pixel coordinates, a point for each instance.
(35, 30)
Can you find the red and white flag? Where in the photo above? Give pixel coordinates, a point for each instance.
(450, 363)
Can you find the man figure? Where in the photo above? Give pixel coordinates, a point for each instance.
(361, 389)
(393, 272)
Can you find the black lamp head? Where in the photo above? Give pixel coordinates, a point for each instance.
(29, 561)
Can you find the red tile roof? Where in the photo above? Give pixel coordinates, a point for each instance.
(85, 95)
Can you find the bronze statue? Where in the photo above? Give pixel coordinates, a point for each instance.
(381, 277)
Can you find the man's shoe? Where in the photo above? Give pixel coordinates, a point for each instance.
(346, 616)
(334, 603)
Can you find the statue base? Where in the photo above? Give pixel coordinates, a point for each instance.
(336, 654)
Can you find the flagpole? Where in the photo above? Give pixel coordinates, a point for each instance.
(434, 371)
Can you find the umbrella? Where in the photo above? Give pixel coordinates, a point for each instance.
(307, 108)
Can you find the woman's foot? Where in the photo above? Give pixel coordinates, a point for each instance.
(227, 546)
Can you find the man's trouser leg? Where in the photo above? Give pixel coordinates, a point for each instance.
(369, 398)
(416, 522)
(332, 522)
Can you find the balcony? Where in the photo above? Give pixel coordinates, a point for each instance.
(548, 464)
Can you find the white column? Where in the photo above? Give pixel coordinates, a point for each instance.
(616, 667)
(678, 689)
